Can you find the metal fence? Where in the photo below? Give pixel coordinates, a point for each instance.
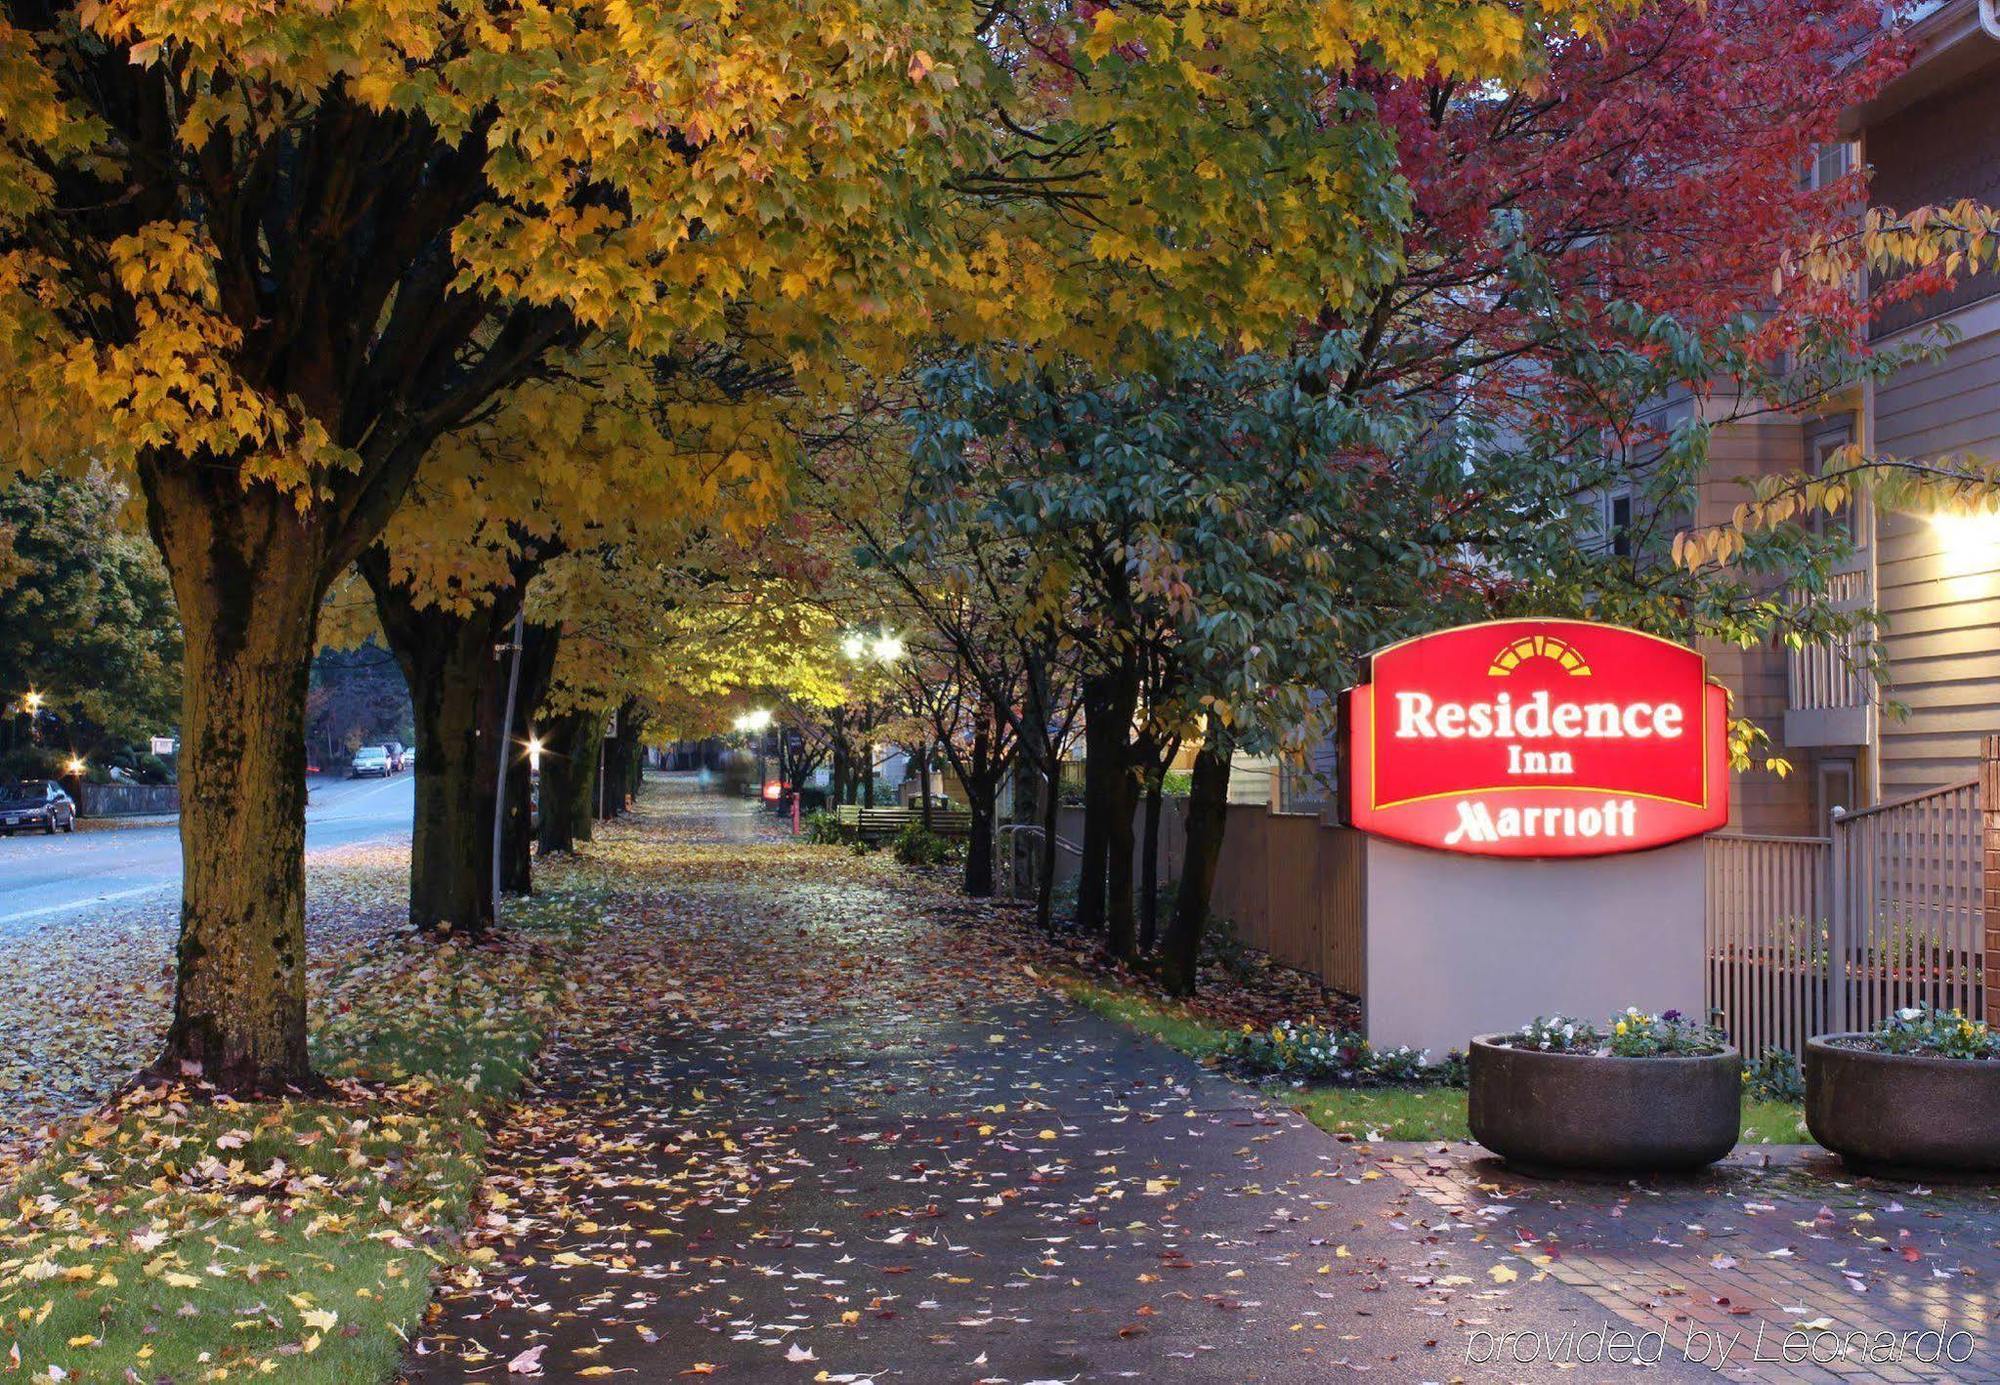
(1767, 929)
(1813, 935)
(1907, 918)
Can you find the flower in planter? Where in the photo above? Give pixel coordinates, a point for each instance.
(1632, 1034)
(1930, 1032)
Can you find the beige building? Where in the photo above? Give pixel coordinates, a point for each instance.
(1932, 137)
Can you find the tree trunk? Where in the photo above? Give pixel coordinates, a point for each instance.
(1099, 765)
(540, 644)
(981, 777)
(246, 570)
(1207, 817)
(610, 787)
(1149, 862)
(924, 786)
(1122, 802)
(556, 832)
(583, 764)
(517, 827)
(448, 662)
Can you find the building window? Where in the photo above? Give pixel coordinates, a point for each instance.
(1831, 163)
(1618, 522)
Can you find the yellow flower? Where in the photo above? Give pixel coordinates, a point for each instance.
(1621, 1026)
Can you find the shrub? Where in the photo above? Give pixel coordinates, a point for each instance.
(915, 847)
(824, 828)
(1775, 1077)
(1933, 1033)
(1176, 783)
(1309, 1051)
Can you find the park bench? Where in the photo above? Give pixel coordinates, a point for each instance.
(880, 824)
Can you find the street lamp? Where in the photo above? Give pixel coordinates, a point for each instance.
(756, 723)
(75, 766)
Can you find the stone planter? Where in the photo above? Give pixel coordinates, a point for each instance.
(1569, 1112)
(1903, 1114)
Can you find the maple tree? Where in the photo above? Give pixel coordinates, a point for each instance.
(682, 443)
(266, 256)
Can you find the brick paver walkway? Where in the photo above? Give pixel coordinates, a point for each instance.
(1872, 1277)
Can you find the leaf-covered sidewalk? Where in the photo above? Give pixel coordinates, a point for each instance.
(815, 1120)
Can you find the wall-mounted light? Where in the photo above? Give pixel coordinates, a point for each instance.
(1967, 534)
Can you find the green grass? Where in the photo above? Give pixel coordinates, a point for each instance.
(288, 1240)
(1389, 1113)
(1774, 1123)
(1171, 1023)
(1382, 1113)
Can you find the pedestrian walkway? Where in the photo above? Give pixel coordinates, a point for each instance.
(812, 1120)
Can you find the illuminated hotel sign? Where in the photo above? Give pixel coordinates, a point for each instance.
(1536, 738)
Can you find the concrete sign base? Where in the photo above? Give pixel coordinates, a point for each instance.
(1463, 945)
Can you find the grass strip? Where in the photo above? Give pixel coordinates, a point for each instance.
(175, 1237)
(1383, 1113)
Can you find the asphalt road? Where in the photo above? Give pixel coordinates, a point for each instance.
(42, 878)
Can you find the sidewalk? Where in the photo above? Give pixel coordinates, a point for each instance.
(812, 1124)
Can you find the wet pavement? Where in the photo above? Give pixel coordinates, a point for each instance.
(813, 1120)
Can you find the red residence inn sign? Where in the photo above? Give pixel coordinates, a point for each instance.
(1536, 738)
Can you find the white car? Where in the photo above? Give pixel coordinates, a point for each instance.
(371, 761)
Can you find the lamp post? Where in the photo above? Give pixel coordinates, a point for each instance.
(880, 646)
(756, 724)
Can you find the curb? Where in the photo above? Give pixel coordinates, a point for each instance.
(125, 821)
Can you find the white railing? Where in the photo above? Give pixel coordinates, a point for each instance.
(1813, 935)
(1823, 677)
(1768, 961)
(1907, 915)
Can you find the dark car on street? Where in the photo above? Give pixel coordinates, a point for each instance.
(31, 804)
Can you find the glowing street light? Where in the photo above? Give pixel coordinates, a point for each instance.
(535, 754)
(75, 766)
(33, 702)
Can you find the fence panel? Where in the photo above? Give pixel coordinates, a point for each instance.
(1343, 902)
(1768, 975)
(1910, 928)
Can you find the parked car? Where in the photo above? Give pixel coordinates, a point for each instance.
(398, 757)
(371, 761)
(32, 803)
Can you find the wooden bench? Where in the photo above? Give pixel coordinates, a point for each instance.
(879, 824)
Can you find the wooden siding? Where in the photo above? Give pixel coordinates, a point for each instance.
(1940, 603)
(1942, 148)
(1759, 801)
